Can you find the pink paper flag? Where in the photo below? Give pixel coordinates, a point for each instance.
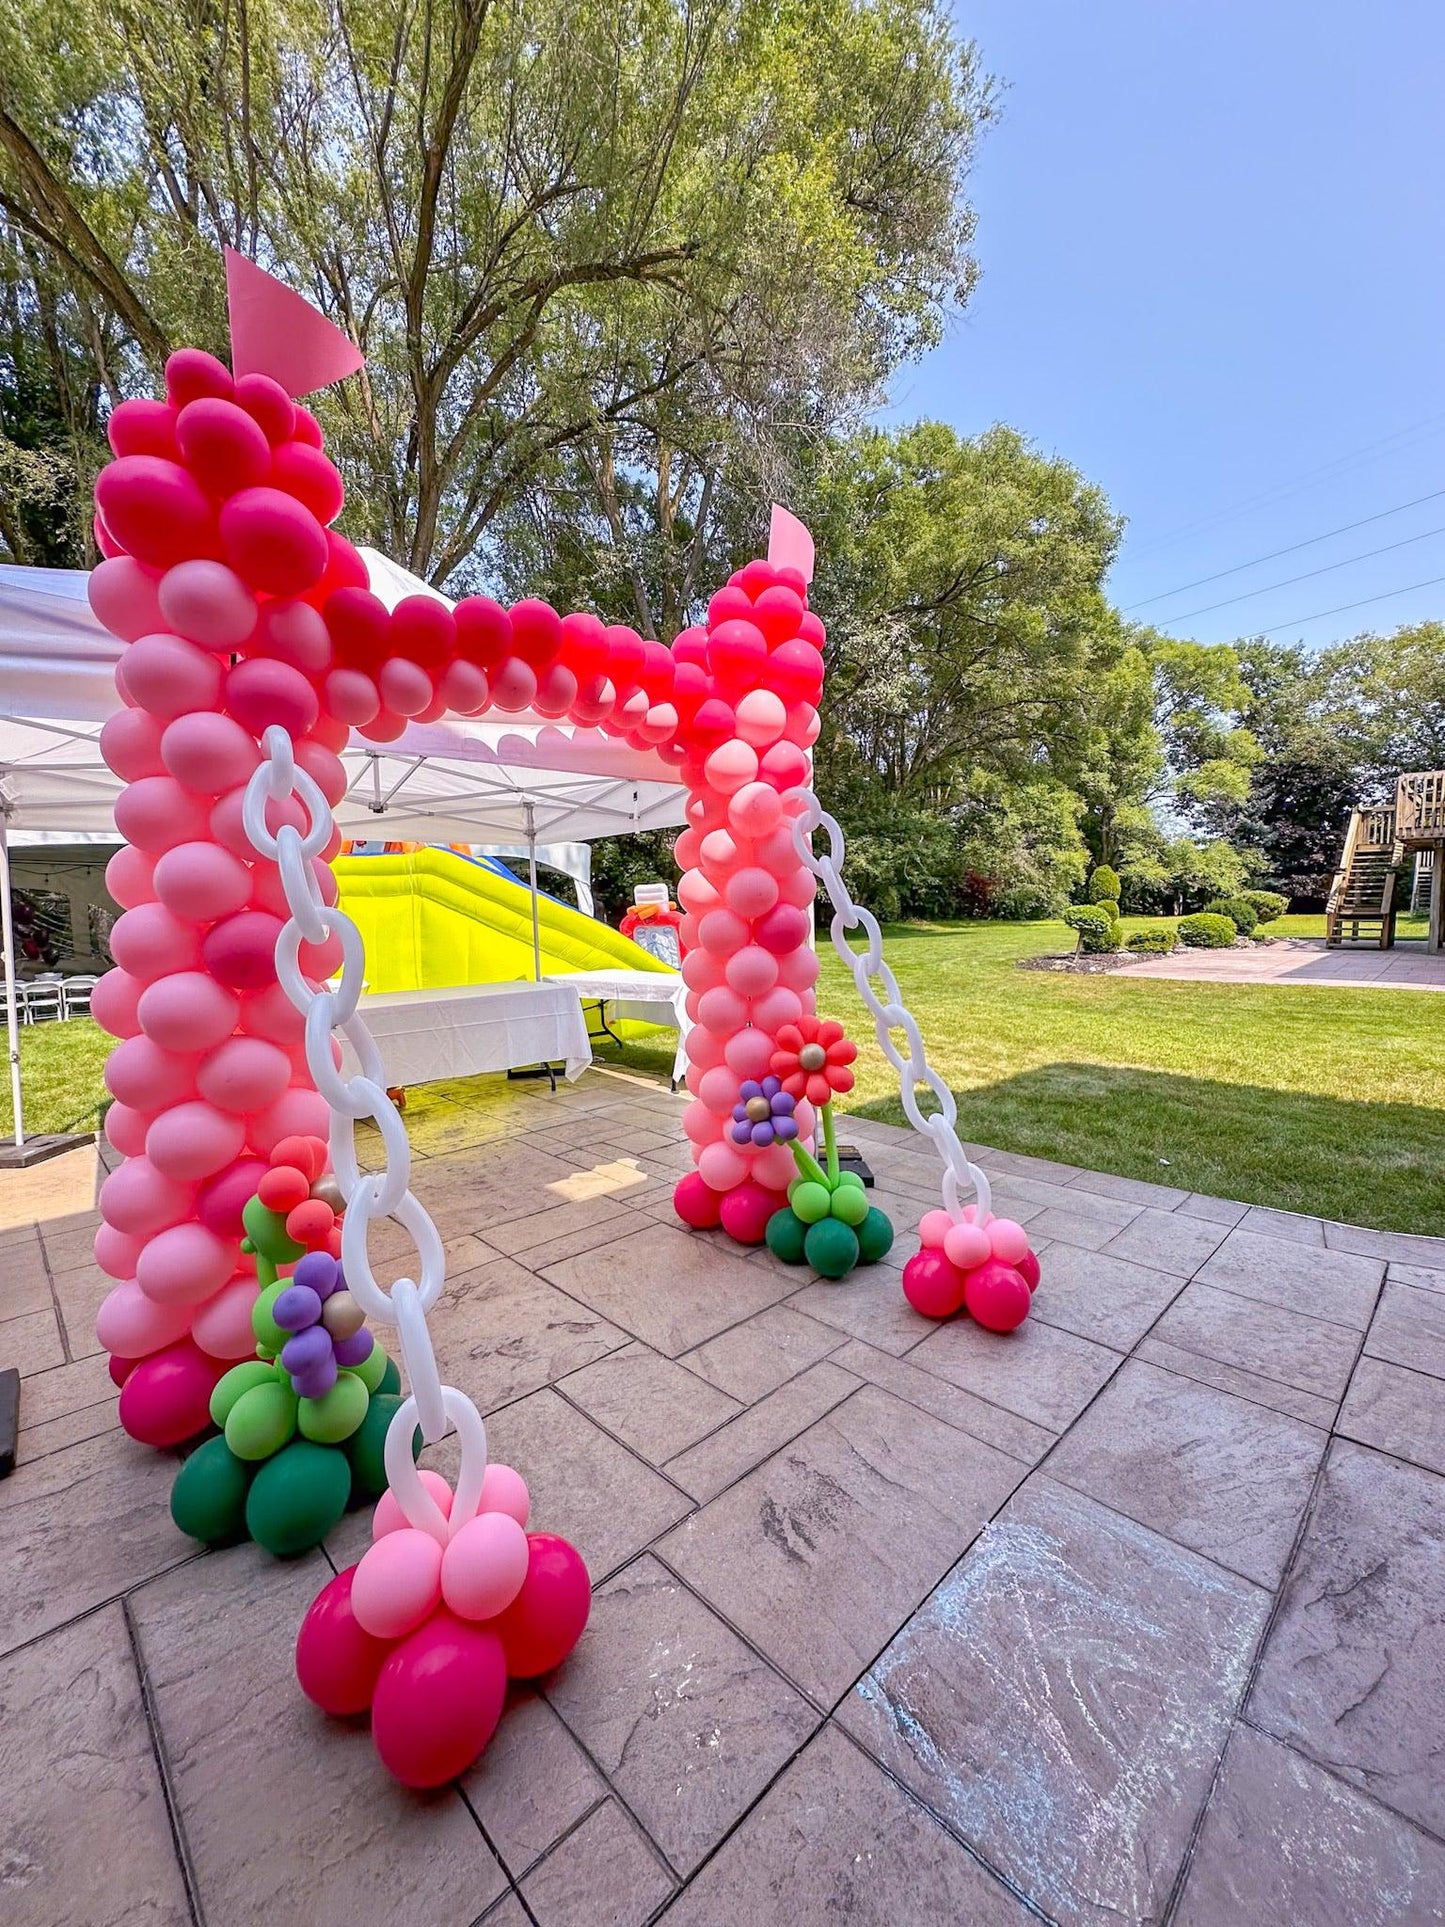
(274, 332)
(789, 543)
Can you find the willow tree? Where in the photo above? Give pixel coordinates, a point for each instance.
(586, 249)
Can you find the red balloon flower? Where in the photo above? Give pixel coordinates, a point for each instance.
(812, 1059)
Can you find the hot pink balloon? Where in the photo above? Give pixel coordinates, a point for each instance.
(188, 1012)
(199, 881)
(220, 1202)
(241, 951)
(781, 929)
(273, 542)
(209, 753)
(185, 1265)
(260, 693)
(208, 603)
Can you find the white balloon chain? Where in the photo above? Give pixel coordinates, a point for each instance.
(369, 1195)
(889, 1014)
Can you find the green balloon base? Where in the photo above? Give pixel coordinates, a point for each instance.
(835, 1244)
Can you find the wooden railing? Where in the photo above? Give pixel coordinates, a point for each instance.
(1377, 829)
(1420, 805)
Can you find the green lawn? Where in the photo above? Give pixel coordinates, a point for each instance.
(1331, 1101)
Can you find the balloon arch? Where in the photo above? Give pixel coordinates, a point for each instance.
(235, 1228)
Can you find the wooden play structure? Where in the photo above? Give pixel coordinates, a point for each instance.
(1391, 861)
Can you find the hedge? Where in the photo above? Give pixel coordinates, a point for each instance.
(1152, 943)
(1206, 931)
(1240, 912)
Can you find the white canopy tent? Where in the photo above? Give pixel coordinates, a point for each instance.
(520, 781)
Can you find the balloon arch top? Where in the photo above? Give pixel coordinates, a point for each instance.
(255, 649)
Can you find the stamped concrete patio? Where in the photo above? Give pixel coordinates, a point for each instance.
(1135, 1615)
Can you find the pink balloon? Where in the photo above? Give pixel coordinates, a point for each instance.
(719, 853)
(696, 894)
(730, 766)
(804, 725)
(325, 769)
(755, 809)
(200, 881)
(704, 1049)
(505, 1490)
(404, 686)
(784, 765)
(700, 1121)
(773, 1166)
(722, 932)
(116, 1253)
(718, 1090)
(185, 1265)
(484, 1566)
(260, 692)
(194, 1140)
(749, 1053)
(556, 691)
(296, 1113)
(799, 969)
(130, 874)
(721, 1166)
(271, 1014)
(153, 941)
(123, 597)
(226, 824)
(273, 542)
(209, 752)
(241, 951)
(965, 1245)
(781, 929)
(751, 892)
(221, 1327)
(513, 684)
(188, 1012)
(761, 717)
(131, 1325)
(146, 1077)
(398, 1583)
(243, 1075)
(130, 744)
(126, 1129)
(208, 603)
(465, 688)
(389, 1517)
(775, 1008)
(722, 1009)
(701, 970)
(594, 699)
(295, 633)
(170, 676)
(799, 888)
(140, 1200)
(157, 813)
(352, 697)
(1007, 1240)
(687, 852)
(113, 1003)
(753, 971)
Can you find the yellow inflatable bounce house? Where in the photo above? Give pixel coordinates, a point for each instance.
(434, 917)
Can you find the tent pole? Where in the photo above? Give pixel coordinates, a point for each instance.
(532, 885)
(12, 1018)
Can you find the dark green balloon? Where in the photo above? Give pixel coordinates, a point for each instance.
(875, 1236)
(390, 1378)
(785, 1233)
(366, 1447)
(208, 1499)
(831, 1248)
(297, 1497)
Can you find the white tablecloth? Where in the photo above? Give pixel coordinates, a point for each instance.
(645, 996)
(428, 1034)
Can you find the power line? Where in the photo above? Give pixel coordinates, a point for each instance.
(1320, 614)
(1250, 595)
(1339, 465)
(1275, 554)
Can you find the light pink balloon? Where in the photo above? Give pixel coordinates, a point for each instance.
(755, 809)
(513, 684)
(295, 633)
(704, 1049)
(125, 1130)
(556, 691)
(397, 1583)
(140, 1200)
(723, 1009)
(751, 892)
(185, 1265)
(208, 603)
(696, 894)
(200, 881)
(352, 697)
(139, 1073)
(169, 676)
(966, 1245)
(752, 971)
(720, 854)
(722, 932)
(721, 1166)
(1007, 1240)
(271, 1014)
(798, 970)
(731, 765)
(225, 822)
(749, 1053)
(243, 1075)
(799, 889)
(222, 1325)
(933, 1228)
(194, 1140)
(465, 688)
(156, 814)
(113, 1004)
(687, 852)
(775, 1008)
(659, 725)
(389, 1517)
(702, 1125)
(484, 1565)
(123, 596)
(131, 1325)
(325, 769)
(188, 1012)
(701, 970)
(130, 744)
(209, 752)
(761, 717)
(297, 1113)
(718, 1090)
(130, 874)
(505, 1490)
(774, 1167)
(116, 1252)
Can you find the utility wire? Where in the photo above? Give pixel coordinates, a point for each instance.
(1250, 595)
(1275, 554)
(1341, 609)
(1341, 464)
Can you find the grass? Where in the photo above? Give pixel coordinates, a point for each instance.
(1308, 1099)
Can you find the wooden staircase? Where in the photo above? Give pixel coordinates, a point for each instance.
(1362, 897)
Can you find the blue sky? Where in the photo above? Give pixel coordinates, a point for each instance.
(1214, 279)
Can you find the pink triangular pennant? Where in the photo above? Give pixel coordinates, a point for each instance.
(274, 332)
(789, 543)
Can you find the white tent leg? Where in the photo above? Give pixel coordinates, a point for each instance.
(12, 1015)
(532, 886)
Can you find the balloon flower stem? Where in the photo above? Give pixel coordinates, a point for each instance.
(831, 1142)
(809, 1165)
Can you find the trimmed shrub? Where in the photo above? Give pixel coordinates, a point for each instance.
(1206, 931)
(1152, 943)
(1097, 930)
(1241, 914)
(1110, 909)
(1104, 885)
(1266, 904)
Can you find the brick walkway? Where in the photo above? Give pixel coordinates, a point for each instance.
(1135, 1615)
